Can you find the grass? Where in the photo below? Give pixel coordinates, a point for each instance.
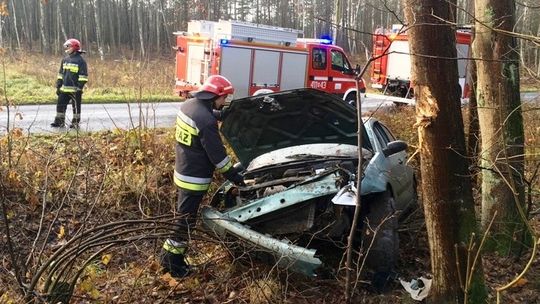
(29, 78)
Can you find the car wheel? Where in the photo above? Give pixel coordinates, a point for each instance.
(380, 242)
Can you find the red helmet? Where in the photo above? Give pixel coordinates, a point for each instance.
(215, 85)
(73, 43)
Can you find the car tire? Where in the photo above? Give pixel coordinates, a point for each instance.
(380, 241)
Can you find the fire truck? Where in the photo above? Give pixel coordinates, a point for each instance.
(391, 73)
(258, 58)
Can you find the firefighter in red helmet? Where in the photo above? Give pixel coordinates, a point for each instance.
(70, 82)
(199, 151)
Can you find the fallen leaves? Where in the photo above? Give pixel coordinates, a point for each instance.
(61, 232)
(105, 259)
(167, 278)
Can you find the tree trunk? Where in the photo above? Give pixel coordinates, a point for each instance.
(42, 16)
(446, 186)
(501, 123)
(140, 25)
(473, 135)
(97, 16)
(15, 25)
(168, 33)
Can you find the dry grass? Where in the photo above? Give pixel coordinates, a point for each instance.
(126, 175)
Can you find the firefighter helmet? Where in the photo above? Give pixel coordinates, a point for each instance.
(215, 85)
(73, 43)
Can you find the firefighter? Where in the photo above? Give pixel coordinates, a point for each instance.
(199, 151)
(70, 82)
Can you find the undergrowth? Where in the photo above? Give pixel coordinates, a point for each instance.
(55, 186)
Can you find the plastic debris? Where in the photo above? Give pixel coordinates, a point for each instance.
(346, 196)
(417, 288)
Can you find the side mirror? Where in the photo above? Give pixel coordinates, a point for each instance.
(349, 72)
(357, 69)
(395, 147)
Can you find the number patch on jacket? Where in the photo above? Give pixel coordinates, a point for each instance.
(183, 136)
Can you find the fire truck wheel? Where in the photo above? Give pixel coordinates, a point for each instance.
(351, 98)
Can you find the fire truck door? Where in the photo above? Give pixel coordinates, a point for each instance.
(341, 74)
(235, 65)
(318, 72)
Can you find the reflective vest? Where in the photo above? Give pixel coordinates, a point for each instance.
(73, 74)
(199, 149)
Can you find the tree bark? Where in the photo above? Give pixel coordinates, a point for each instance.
(501, 123)
(446, 186)
(140, 26)
(97, 17)
(42, 16)
(15, 25)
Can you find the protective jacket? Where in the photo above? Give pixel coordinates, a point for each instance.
(199, 149)
(73, 74)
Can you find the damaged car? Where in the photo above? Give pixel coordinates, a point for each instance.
(300, 152)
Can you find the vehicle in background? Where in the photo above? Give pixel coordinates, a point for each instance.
(391, 73)
(257, 57)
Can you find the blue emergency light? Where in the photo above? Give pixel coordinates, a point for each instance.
(223, 41)
(326, 40)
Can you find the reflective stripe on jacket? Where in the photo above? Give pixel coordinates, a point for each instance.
(73, 74)
(199, 149)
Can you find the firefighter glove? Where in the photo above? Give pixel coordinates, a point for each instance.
(58, 92)
(234, 176)
(221, 114)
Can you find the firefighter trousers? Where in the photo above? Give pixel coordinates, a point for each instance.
(187, 206)
(63, 100)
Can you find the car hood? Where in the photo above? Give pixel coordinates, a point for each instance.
(259, 124)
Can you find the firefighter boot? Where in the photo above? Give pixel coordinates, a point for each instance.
(57, 123)
(59, 120)
(172, 259)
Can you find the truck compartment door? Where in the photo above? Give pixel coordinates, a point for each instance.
(265, 71)
(235, 66)
(293, 71)
(399, 63)
(195, 64)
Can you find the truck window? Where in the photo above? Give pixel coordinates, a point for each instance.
(339, 62)
(319, 59)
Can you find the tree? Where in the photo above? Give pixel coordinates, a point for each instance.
(446, 186)
(501, 122)
(97, 16)
(42, 22)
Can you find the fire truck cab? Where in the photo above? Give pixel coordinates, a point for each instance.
(258, 58)
(391, 71)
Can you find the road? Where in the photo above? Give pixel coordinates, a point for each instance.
(96, 117)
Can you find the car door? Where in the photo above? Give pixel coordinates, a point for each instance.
(400, 174)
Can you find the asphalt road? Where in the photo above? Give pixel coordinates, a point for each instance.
(96, 117)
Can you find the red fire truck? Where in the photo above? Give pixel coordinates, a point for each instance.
(259, 58)
(391, 73)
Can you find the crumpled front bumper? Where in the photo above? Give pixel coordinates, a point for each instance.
(287, 255)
